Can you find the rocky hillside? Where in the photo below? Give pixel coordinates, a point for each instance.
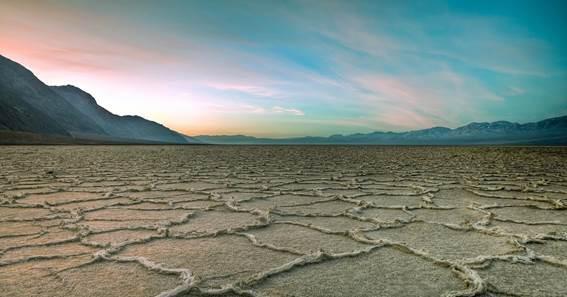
(29, 105)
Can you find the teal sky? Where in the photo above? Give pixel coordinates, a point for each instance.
(292, 68)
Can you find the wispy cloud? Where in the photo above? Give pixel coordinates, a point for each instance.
(292, 111)
(248, 89)
(227, 107)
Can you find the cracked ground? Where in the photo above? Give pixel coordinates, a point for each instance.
(282, 221)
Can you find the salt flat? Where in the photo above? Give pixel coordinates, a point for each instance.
(282, 221)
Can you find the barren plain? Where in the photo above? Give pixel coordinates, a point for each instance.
(283, 221)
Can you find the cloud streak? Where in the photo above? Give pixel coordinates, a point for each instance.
(282, 110)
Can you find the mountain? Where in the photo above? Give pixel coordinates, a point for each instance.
(233, 139)
(547, 132)
(118, 126)
(192, 140)
(29, 105)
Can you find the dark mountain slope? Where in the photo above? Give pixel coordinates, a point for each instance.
(27, 104)
(118, 126)
(28, 97)
(18, 115)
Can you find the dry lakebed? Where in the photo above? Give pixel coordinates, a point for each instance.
(283, 221)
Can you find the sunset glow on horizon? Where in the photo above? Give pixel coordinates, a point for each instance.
(296, 68)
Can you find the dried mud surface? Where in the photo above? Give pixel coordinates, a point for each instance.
(282, 221)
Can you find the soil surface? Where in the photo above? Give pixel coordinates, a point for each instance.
(283, 221)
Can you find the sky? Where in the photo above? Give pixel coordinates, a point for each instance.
(295, 68)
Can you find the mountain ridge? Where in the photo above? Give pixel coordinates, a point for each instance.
(29, 105)
(548, 131)
(127, 126)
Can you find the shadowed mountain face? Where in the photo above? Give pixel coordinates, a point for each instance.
(118, 126)
(28, 105)
(547, 132)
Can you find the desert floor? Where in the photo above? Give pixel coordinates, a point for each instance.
(282, 221)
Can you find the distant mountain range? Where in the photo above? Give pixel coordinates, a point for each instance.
(547, 132)
(31, 111)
